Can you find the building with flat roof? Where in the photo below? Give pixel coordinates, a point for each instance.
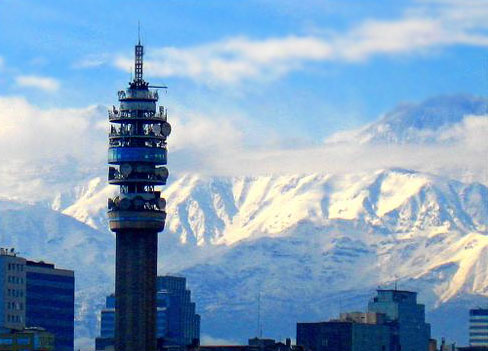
(344, 336)
(12, 290)
(50, 298)
(402, 310)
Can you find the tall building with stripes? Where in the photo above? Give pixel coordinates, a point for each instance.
(478, 327)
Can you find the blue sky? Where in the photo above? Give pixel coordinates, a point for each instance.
(268, 72)
(75, 43)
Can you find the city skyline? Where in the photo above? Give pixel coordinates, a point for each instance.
(321, 143)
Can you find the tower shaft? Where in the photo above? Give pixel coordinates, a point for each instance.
(135, 290)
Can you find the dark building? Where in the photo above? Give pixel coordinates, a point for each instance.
(183, 324)
(137, 155)
(28, 339)
(402, 310)
(344, 336)
(177, 322)
(255, 344)
(478, 327)
(36, 298)
(50, 297)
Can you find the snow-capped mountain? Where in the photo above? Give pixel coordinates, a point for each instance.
(436, 120)
(310, 244)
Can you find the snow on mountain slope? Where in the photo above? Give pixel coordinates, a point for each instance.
(310, 240)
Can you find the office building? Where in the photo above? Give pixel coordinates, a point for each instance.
(36, 295)
(177, 324)
(29, 339)
(344, 336)
(402, 310)
(12, 290)
(255, 344)
(478, 327)
(183, 324)
(137, 155)
(50, 300)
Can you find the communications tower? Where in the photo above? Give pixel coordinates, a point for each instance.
(137, 155)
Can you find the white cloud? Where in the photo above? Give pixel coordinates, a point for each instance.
(232, 60)
(43, 83)
(47, 148)
(91, 61)
(53, 149)
(429, 24)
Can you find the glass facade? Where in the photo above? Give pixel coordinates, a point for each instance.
(50, 302)
(344, 336)
(183, 322)
(177, 322)
(402, 309)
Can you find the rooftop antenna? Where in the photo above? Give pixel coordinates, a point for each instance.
(260, 330)
(139, 32)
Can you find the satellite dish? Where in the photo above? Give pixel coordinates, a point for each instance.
(124, 204)
(125, 169)
(138, 203)
(162, 172)
(162, 203)
(157, 128)
(165, 129)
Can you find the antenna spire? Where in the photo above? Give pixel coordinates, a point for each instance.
(138, 67)
(139, 32)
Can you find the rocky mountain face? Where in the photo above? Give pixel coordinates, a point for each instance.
(311, 245)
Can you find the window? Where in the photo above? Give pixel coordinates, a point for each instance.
(6, 341)
(23, 341)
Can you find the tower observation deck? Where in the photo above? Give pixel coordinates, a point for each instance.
(137, 157)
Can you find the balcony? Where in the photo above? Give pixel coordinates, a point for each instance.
(157, 133)
(118, 116)
(138, 94)
(158, 176)
(137, 202)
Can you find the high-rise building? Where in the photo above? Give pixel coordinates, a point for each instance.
(137, 155)
(12, 290)
(478, 327)
(345, 336)
(183, 324)
(401, 309)
(37, 295)
(50, 301)
(177, 323)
